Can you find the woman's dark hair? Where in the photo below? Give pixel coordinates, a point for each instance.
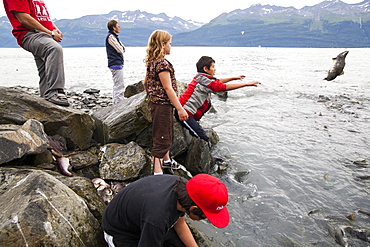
(111, 24)
(184, 199)
(204, 61)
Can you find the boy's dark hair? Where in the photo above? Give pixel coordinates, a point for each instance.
(111, 24)
(204, 61)
(184, 199)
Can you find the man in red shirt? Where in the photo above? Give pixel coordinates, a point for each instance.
(36, 33)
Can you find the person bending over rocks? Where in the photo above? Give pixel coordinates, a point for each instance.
(151, 211)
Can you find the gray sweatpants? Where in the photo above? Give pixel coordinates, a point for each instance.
(118, 85)
(48, 56)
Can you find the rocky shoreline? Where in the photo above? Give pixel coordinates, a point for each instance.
(50, 156)
(87, 101)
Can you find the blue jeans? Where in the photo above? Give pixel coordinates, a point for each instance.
(48, 56)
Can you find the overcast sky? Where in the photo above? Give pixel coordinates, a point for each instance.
(197, 10)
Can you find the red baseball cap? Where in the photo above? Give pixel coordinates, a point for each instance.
(210, 195)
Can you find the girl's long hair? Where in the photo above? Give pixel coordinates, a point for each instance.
(155, 46)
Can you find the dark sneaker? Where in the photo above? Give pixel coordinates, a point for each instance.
(59, 99)
(172, 165)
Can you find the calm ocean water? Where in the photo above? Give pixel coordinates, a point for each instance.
(296, 145)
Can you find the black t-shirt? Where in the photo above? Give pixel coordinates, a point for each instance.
(142, 213)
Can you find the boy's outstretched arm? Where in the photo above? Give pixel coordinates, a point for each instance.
(240, 85)
(226, 80)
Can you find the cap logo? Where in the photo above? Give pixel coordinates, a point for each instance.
(220, 208)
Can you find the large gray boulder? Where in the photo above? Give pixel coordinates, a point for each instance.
(181, 140)
(36, 209)
(83, 159)
(84, 188)
(123, 162)
(75, 126)
(17, 141)
(122, 122)
(199, 158)
(134, 89)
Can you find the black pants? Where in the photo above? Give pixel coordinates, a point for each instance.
(194, 128)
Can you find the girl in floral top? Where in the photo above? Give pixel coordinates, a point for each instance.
(161, 86)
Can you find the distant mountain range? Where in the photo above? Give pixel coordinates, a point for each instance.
(328, 24)
(91, 30)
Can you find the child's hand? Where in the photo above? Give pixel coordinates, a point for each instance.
(241, 77)
(183, 115)
(254, 83)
